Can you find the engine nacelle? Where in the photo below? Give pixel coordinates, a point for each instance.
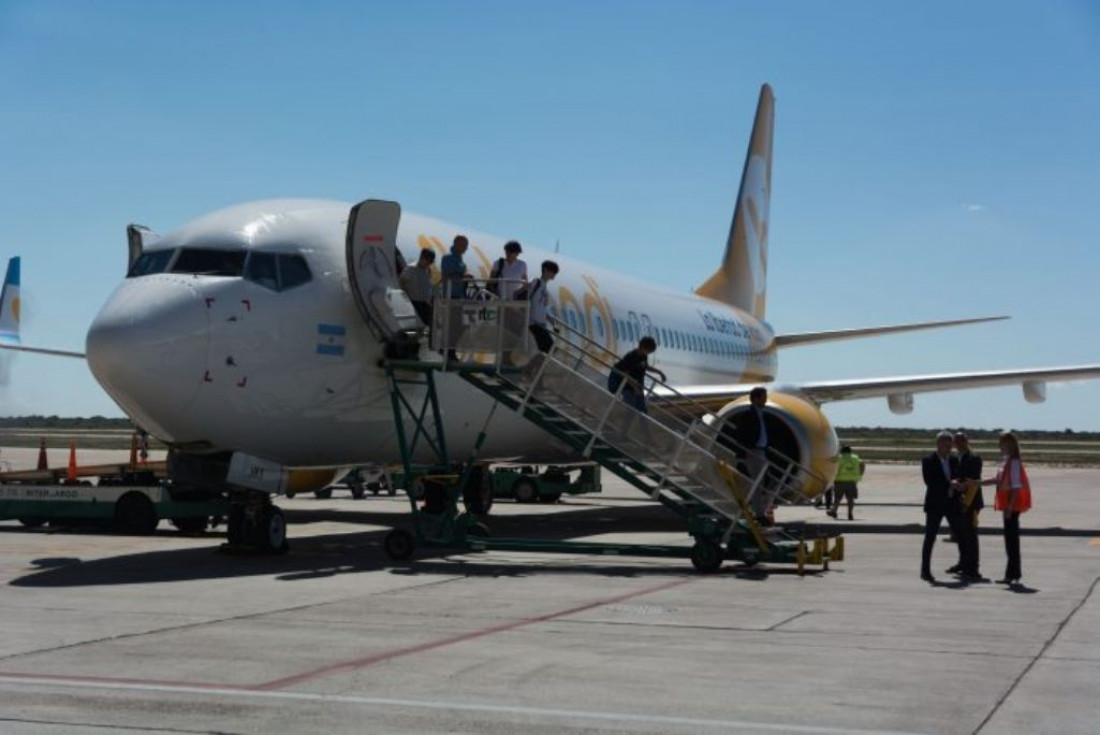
(798, 429)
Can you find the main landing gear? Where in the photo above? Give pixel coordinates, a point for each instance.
(256, 525)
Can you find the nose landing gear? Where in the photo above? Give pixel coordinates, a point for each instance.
(256, 525)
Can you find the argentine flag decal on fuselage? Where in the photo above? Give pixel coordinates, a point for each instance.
(330, 339)
(9, 304)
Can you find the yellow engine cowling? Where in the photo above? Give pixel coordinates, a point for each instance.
(797, 428)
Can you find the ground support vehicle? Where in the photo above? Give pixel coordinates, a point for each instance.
(132, 504)
(527, 484)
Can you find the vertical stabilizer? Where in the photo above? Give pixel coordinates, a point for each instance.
(741, 281)
(9, 304)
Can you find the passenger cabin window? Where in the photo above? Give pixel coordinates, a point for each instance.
(148, 263)
(277, 272)
(209, 262)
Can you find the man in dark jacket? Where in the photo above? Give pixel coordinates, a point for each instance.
(970, 470)
(941, 500)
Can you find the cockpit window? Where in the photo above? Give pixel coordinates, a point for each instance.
(293, 271)
(261, 269)
(154, 261)
(277, 272)
(208, 262)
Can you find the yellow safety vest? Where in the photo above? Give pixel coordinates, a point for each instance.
(848, 468)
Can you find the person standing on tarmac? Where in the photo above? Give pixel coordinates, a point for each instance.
(849, 471)
(1013, 498)
(940, 499)
(970, 474)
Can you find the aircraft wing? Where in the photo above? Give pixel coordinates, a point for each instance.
(809, 338)
(900, 389)
(42, 351)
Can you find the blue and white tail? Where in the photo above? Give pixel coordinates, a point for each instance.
(9, 304)
(741, 280)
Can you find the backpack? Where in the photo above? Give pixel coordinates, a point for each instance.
(527, 291)
(493, 286)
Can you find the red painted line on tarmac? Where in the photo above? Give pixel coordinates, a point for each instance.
(118, 680)
(360, 663)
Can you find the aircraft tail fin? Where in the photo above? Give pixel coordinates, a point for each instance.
(741, 280)
(9, 304)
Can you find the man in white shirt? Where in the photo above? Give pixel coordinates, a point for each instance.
(417, 283)
(509, 273)
(538, 295)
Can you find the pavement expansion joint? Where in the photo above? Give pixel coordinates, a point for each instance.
(1036, 658)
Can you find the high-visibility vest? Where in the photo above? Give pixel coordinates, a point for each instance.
(1004, 490)
(847, 469)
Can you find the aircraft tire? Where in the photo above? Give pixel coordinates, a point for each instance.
(399, 545)
(525, 490)
(706, 557)
(477, 496)
(272, 531)
(549, 498)
(323, 494)
(135, 515)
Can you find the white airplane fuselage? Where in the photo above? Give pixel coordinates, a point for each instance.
(224, 364)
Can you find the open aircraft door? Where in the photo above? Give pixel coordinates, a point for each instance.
(372, 270)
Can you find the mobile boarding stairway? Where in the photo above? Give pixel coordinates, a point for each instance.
(676, 454)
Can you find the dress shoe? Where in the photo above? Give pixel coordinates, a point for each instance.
(1007, 580)
(831, 513)
(927, 577)
(973, 578)
(956, 569)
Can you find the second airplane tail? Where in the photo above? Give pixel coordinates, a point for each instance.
(741, 280)
(9, 304)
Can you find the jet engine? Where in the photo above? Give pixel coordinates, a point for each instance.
(798, 429)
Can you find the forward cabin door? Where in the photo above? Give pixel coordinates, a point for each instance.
(372, 265)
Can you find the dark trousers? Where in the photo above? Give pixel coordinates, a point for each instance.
(542, 337)
(1012, 546)
(424, 311)
(932, 521)
(968, 543)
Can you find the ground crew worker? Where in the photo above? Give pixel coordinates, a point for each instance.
(970, 475)
(417, 283)
(849, 471)
(1013, 498)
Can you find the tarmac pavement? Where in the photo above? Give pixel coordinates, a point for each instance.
(165, 634)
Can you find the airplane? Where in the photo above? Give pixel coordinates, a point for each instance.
(250, 335)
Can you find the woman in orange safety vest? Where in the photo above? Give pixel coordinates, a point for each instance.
(1013, 498)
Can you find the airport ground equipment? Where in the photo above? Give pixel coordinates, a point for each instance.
(676, 453)
(527, 484)
(128, 502)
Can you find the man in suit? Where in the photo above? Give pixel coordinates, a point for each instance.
(940, 499)
(751, 433)
(970, 470)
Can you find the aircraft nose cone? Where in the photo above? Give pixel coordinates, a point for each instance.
(148, 349)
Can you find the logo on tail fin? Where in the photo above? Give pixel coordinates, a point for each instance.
(9, 304)
(741, 281)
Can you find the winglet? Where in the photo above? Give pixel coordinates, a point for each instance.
(9, 304)
(741, 281)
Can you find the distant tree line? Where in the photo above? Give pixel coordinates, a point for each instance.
(64, 422)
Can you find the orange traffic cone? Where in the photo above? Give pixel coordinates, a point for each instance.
(42, 463)
(133, 450)
(72, 459)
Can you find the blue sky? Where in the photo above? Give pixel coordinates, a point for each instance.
(933, 160)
